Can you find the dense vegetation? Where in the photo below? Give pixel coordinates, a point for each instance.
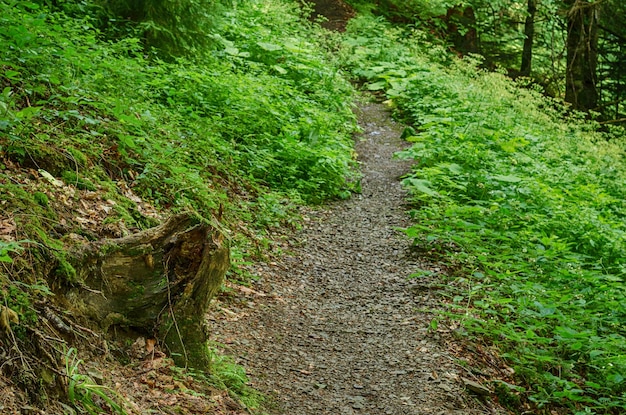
(573, 48)
(525, 204)
(115, 114)
(255, 115)
(111, 119)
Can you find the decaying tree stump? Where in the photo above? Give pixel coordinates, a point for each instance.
(157, 281)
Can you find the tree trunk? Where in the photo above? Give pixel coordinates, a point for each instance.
(461, 29)
(529, 33)
(158, 281)
(582, 54)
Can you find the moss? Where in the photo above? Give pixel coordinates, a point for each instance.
(131, 216)
(66, 271)
(138, 292)
(35, 204)
(143, 249)
(70, 177)
(108, 248)
(36, 154)
(41, 199)
(78, 156)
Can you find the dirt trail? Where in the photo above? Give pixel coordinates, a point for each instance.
(341, 329)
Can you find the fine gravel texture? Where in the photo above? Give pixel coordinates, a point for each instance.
(337, 326)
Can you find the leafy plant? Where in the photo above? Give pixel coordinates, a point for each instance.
(525, 206)
(84, 393)
(240, 116)
(6, 248)
(227, 375)
(221, 128)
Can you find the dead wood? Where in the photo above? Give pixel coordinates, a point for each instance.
(158, 281)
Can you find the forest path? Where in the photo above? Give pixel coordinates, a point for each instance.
(337, 327)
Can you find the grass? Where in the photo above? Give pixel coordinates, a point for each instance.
(84, 393)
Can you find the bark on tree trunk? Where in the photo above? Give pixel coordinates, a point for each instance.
(582, 54)
(462, 29)
(158, 281)
(529, 32)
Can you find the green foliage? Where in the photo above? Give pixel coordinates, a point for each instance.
(408, 10)
(7, 248)
(20, 297)
(227, 375)
(528, 208)
(238, 117)
(175, 28)
(85, 394)
(263, 116)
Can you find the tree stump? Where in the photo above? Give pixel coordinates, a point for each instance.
(157, 281)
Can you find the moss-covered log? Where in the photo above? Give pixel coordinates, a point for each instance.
(157, 281)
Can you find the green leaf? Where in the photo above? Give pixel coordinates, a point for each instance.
(433, 325)
(11, 74)
(507, 179)
(454, 168)
(128, 141)
(231, 50)
(595, 353)
(377, 86)
(576, 346)
(270, 47)
(420, 185)
(27, 113)
(280, 69)
(29, 5)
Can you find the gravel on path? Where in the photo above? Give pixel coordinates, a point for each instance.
(337, 327)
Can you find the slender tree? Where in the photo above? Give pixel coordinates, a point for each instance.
(582, 54)
(461, 22)
(529, 33)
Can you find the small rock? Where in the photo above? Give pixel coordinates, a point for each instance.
(475, 387)
(445, 387)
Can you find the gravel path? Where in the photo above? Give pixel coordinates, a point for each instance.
(336, 327)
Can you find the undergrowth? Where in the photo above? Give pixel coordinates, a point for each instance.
(105, 129)
(527, 206)
(252, 126)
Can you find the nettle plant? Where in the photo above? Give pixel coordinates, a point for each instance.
(527, 207)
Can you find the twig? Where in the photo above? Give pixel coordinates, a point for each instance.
(613, 121)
